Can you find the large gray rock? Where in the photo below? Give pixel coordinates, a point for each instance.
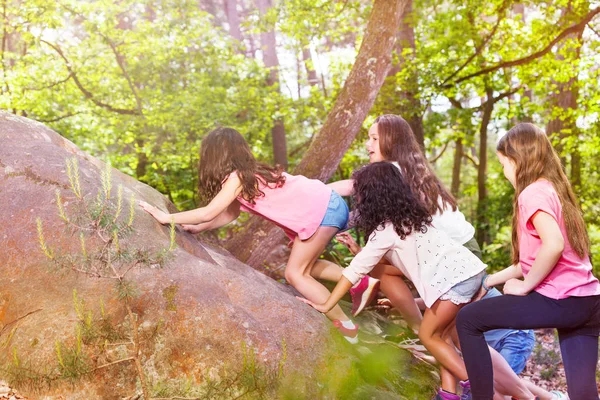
(197, 316)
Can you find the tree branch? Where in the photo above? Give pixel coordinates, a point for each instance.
(593, 30)
(439, 155)
(501, 96)
(520, 61)
(479, 49)
(69, 115)
(88, 95)
(50, 86)
(472, 159)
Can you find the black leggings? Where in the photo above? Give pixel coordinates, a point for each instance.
(576, 318)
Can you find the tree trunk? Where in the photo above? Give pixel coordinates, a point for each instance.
(233, 19)
(412, 106)
(311, 74)
(564, 124)
(272, 62)
(403, 100)
(482, 227)
(458, 156)
(343, 123)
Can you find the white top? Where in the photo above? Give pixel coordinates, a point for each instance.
(453, 223)
(432, 261)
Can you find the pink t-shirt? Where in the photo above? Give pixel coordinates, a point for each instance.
(572, 275)
(298, 207)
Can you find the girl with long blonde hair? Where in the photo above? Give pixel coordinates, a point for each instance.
(550, 284)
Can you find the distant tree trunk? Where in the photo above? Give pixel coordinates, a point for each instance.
(272, 62)
(233, 19)
(488, 108)
(458, 156)
(412, 106)
(403, 100)
(564, 124)
(564, 98)
(311, 74)
(343, 123)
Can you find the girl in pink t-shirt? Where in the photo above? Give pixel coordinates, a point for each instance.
(551, 284)
(307, 210)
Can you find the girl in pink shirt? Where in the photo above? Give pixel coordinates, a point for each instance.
(551, 284)
(307, 210)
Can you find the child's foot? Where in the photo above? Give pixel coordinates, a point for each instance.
(350, 334)
(443, 395)
(466, 390)
(363, 293)
(556, 395)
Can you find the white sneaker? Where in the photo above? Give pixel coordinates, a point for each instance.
(556, 395)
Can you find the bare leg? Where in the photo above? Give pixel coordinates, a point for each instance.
(396, 290)
(435, 321)
(449, 381)
(298, 269)
(506, 382)
(326, 270)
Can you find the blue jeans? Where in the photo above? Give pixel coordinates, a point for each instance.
(516, 349)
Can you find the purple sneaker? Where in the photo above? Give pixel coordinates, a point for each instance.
(466, 390)
(443, 395)
(363, 294)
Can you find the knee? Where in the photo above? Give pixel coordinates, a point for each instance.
(424, 336)
(464, 320)
(292, 277)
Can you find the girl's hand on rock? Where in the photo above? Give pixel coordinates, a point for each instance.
(318, 307)
(159, 215)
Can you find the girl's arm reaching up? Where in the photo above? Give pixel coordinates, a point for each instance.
(553, 245)
(228, 194)
(227, 216)
(343, 188)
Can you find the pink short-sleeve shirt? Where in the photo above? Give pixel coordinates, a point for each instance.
(572, 275)
(298, 207)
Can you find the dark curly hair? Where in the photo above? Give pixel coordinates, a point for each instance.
(381, 194)
(225, 150)
(397, 142)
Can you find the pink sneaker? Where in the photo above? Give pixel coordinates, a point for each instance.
(350, 335)
(363, 294)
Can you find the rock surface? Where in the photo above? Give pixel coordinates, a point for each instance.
(198, 317)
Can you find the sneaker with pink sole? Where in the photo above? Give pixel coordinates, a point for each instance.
(350, 334)
(363, 294)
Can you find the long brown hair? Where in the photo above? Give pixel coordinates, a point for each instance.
(225, 150)
(534, 157)
(397, 142)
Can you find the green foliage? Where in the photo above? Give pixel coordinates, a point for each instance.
(100, 220)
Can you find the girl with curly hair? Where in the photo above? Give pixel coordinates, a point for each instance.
(307, 210)
(392, 139)
(446, 275)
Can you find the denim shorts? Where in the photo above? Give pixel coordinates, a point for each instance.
(337, 212)
(516, 349)
(464, 291)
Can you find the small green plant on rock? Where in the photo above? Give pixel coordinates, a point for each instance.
(101, 226)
